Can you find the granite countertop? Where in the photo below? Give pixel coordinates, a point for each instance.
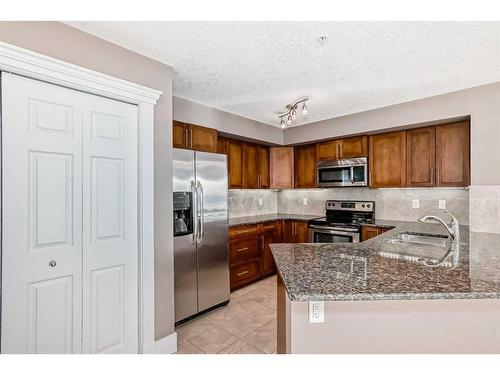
(378, 270)
(247, 220)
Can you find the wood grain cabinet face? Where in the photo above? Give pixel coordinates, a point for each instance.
(328, 150)
(202, 138)
(453, 154)
(368, 232)
(235, 164)
(264, 179)
(387, 161)
(222, 145)
(305, 166)
(354, 147)
(301, 232)
(282, 167)
(251, 175)
(421, 156)
(243, 249)
(180, 135)
(267, 266)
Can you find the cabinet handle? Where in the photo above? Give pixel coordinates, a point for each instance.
(242, 273)
(432, 176)
(190, 138)
(262, 242)
(258, 180)
(438, 180)
(186, 130)
(243, 249)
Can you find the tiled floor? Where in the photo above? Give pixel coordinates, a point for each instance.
(247, 325)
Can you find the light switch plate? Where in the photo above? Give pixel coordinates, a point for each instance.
(442, 204)
(304, 201)
(416, 203)
(316, 311)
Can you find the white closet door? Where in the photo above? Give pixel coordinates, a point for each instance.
(110, 226)
(42, 217)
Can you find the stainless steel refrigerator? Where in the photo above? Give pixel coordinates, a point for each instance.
(201, 267)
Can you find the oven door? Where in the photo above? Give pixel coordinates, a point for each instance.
(331, 235)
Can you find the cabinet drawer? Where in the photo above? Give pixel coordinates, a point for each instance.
(268, 227)
(244, 273)
(243, 249)
(242, 231)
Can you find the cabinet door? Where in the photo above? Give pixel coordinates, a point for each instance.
(301, 232)
(264, 180)
(202, 139)
(282, 170)
(288, 232)
(388, 160)
(369, 232)
(235, 164)
(453, 154)
(267, 266)
(179, 135)
(354, 147)
(305, 166)
(420, 144)
(250, 166)
(328, 150)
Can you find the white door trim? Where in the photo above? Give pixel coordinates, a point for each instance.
(34, 65)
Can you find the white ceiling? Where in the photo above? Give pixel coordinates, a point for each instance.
(254, 69)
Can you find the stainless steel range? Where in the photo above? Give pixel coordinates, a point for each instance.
(342, 222)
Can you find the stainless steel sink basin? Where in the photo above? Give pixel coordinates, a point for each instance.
(420, 239)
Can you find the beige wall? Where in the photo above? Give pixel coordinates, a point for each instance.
(481, 103)
(195, 113)
(66, 43)
(419, 326)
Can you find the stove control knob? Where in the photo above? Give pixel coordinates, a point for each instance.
(367, 206)
(363, 205)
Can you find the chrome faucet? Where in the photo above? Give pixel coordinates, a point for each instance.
(451, 228)
(454, 233)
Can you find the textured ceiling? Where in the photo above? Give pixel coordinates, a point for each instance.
(254, 69)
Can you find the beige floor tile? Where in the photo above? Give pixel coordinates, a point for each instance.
(252, 309)
(214, 340)
(185, 347)
(265, 298)
(244, 290)
(193, 328)
(264, 337)
(241, 347)
(233, 322)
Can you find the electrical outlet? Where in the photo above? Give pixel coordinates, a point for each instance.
(442, 204)
(260, 202)
(304, 201)
(416, 203)
(316, 311)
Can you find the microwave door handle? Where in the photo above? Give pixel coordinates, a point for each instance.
(352, 175)
(194, 211)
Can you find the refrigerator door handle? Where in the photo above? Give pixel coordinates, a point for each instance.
(195, 211)
(201, 212)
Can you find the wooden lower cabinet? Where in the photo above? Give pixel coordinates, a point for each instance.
(295, 231)
(250, 256)
(368, 232)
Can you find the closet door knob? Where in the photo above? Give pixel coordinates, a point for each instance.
(52, 263)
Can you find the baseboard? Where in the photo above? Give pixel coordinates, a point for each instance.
(167, 344)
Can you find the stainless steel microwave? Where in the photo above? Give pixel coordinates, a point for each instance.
(344, 172)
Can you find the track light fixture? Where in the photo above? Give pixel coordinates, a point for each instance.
(291, 113)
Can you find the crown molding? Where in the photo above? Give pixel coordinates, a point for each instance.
(31, 64)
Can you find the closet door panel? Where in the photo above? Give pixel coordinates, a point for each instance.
(42, 211)
(110, 238)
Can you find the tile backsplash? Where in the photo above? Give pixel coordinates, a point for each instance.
(390, 204)
(485, 208)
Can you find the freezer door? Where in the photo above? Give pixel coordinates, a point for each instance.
(213, 264)
(185, 278)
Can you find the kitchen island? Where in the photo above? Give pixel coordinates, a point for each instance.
(379, 297)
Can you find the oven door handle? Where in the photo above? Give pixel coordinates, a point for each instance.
(331, 231)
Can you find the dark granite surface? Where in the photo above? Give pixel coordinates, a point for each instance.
(246, 220)
(378, 270)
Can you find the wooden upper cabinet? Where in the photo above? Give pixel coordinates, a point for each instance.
(180, 135)
(264, 180)
(222, 145)
(282, 167)
(202, 138)
(235, 164)
(328, 150)
(251, 174)
(421, 156)
(194, 137)
(453, 154)
(305, 166)
(387, 160)
(354, 147)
